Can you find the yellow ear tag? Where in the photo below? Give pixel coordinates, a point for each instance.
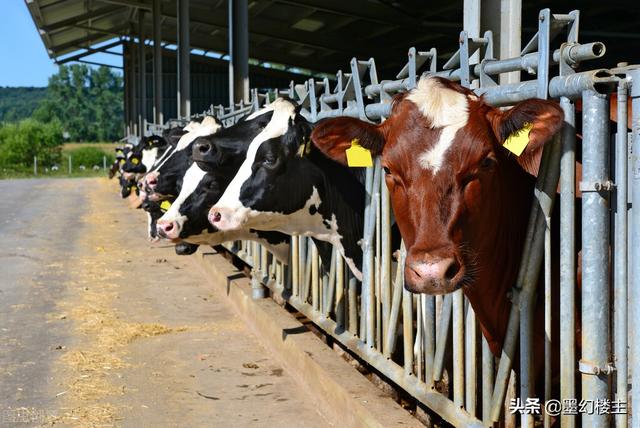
(165, 205)
(358, 156)
(517, 141)
(135, 161)
(121, 161)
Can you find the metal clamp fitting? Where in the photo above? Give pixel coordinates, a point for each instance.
(597, 186)
(587, 367)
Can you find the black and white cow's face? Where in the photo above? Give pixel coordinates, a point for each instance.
(280, 187)
(166, 178)
(274, 180)
(219, 155)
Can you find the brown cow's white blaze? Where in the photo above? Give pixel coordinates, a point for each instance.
(444, 108)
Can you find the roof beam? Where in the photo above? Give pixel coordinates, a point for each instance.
(99, 64)
(74, 20)
(138, 4)
(91, 51)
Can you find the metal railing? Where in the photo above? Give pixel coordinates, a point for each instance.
(432, 346)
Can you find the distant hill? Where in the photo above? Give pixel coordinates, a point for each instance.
(19, 103)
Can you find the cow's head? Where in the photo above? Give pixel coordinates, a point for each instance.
(165, 180)
(453, 185)
(264, 180)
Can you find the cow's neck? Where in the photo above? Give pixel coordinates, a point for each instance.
(500, 258)
(342, 193)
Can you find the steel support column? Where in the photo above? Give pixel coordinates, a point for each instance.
(634, 241)
(142, 111)
(238, 51)
(184, 60)
(595, 254)
(133, 79)
(157, 64)
(504, 19)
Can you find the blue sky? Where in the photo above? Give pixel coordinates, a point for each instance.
(23, 56)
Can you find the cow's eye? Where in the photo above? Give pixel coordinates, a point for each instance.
(386, 170)
(269, 161)
(487, 162)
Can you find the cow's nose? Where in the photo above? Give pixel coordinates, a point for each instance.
(151, 180)
(436, 273)
(168, 229)
(203, 147)
(223, 218)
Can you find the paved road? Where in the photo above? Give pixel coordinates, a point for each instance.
(99, 328)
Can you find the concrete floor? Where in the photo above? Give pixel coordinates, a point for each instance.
(100, 328)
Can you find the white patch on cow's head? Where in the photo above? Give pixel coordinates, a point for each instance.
(208, 126)
(149, 157)
(283, 112)
(192, 178)
(445, 108)
(260, 112)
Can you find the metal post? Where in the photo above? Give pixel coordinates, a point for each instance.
(157, 64)
(471, 23)
(567, 259)
(238, 51)
(133, 79)
(504, 19)
(104, 163)
(634, 283)
(184, 60)
(69, 164)
(142, 66)
(35, 165)
(595, 251)
(620, 252)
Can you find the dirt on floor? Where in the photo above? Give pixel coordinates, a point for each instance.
(139, 338)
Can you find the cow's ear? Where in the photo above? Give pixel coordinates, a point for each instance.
(334, 136)
(527, 126)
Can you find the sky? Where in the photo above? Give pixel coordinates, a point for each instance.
(23, 56)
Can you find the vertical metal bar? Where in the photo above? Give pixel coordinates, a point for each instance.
(295, 266)
(428, 328)
(595, 251)
(340, 302)
(368, 277)
(418, 347)
(443, 334)
(458, 348)
(407, 330)
(567, 260)
(184, 60)
(142, 67)
(328, 296)
(157, 64)
(385, 259)
(487, 381)
(315, 301)
(548, 338)
(620, 252)
(471, 23)
(470, 361)
(353, 305)
(239, 51)
(392, 330)
(634, 273)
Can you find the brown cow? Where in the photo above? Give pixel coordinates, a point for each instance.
(460, 198)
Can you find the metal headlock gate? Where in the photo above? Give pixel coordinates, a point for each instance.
(374, 320)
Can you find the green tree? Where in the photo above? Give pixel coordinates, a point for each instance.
(87, 101)
(20, 142)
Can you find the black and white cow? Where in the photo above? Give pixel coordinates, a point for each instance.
(280, 187)
(221, 155)
(164, 180)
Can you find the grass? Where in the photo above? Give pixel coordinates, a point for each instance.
(44, 171)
